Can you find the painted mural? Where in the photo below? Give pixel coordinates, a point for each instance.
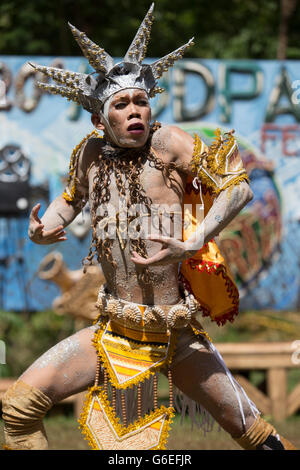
(259, 99)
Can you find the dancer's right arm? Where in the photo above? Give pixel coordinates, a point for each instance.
(60, 213)
(50, 228)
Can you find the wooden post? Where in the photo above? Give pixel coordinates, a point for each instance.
(277, 391)
(293, 401)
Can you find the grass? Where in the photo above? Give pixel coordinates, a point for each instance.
(63, 434)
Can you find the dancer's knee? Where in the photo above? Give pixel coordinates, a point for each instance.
(23, 408)
(232, 421)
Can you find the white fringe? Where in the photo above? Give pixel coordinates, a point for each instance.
(198, 414)
(235, 385)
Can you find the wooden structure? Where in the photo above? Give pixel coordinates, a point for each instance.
(275, 359)
(79, 291)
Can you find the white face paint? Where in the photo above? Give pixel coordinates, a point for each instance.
(106, 107)
(105, 119)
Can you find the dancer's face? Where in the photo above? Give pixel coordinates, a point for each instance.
(129, 115)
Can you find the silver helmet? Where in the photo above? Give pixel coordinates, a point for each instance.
(92, 90)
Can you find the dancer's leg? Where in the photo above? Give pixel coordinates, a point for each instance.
(66, 369)
(200, 373)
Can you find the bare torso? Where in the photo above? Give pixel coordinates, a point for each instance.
(123, 281)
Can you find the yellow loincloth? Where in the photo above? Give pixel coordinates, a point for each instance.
(130, 356)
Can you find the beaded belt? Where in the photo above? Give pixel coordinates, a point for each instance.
(147, 317)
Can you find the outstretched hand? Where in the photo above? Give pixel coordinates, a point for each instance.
(172, 251)
(36, 231)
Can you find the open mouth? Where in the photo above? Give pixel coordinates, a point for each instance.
(136, 127)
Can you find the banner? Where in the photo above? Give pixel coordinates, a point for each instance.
(259, 99)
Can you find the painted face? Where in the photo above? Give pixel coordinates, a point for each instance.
(129, 115)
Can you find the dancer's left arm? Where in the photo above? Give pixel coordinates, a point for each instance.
(227, 204)
(225, 208)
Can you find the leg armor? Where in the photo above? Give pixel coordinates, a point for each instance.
(23, 408)
(263, 436)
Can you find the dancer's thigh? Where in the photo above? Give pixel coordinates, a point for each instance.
(68, 367)
(202, 378)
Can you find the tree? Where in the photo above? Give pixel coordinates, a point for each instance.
(287, 8)
(222, 28)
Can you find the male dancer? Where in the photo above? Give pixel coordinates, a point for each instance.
(136, 165)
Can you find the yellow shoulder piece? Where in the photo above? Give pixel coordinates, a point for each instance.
(220, 166)
(70, 191)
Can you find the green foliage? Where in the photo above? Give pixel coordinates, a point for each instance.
(27, 336)
(222, 28)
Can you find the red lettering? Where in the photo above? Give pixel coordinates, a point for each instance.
(285, 133)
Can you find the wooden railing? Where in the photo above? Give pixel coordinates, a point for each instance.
(275, 359)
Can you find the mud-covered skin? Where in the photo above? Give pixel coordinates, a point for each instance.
(123, 281)
(170, 144)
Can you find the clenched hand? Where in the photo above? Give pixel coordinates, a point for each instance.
(36, 231)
